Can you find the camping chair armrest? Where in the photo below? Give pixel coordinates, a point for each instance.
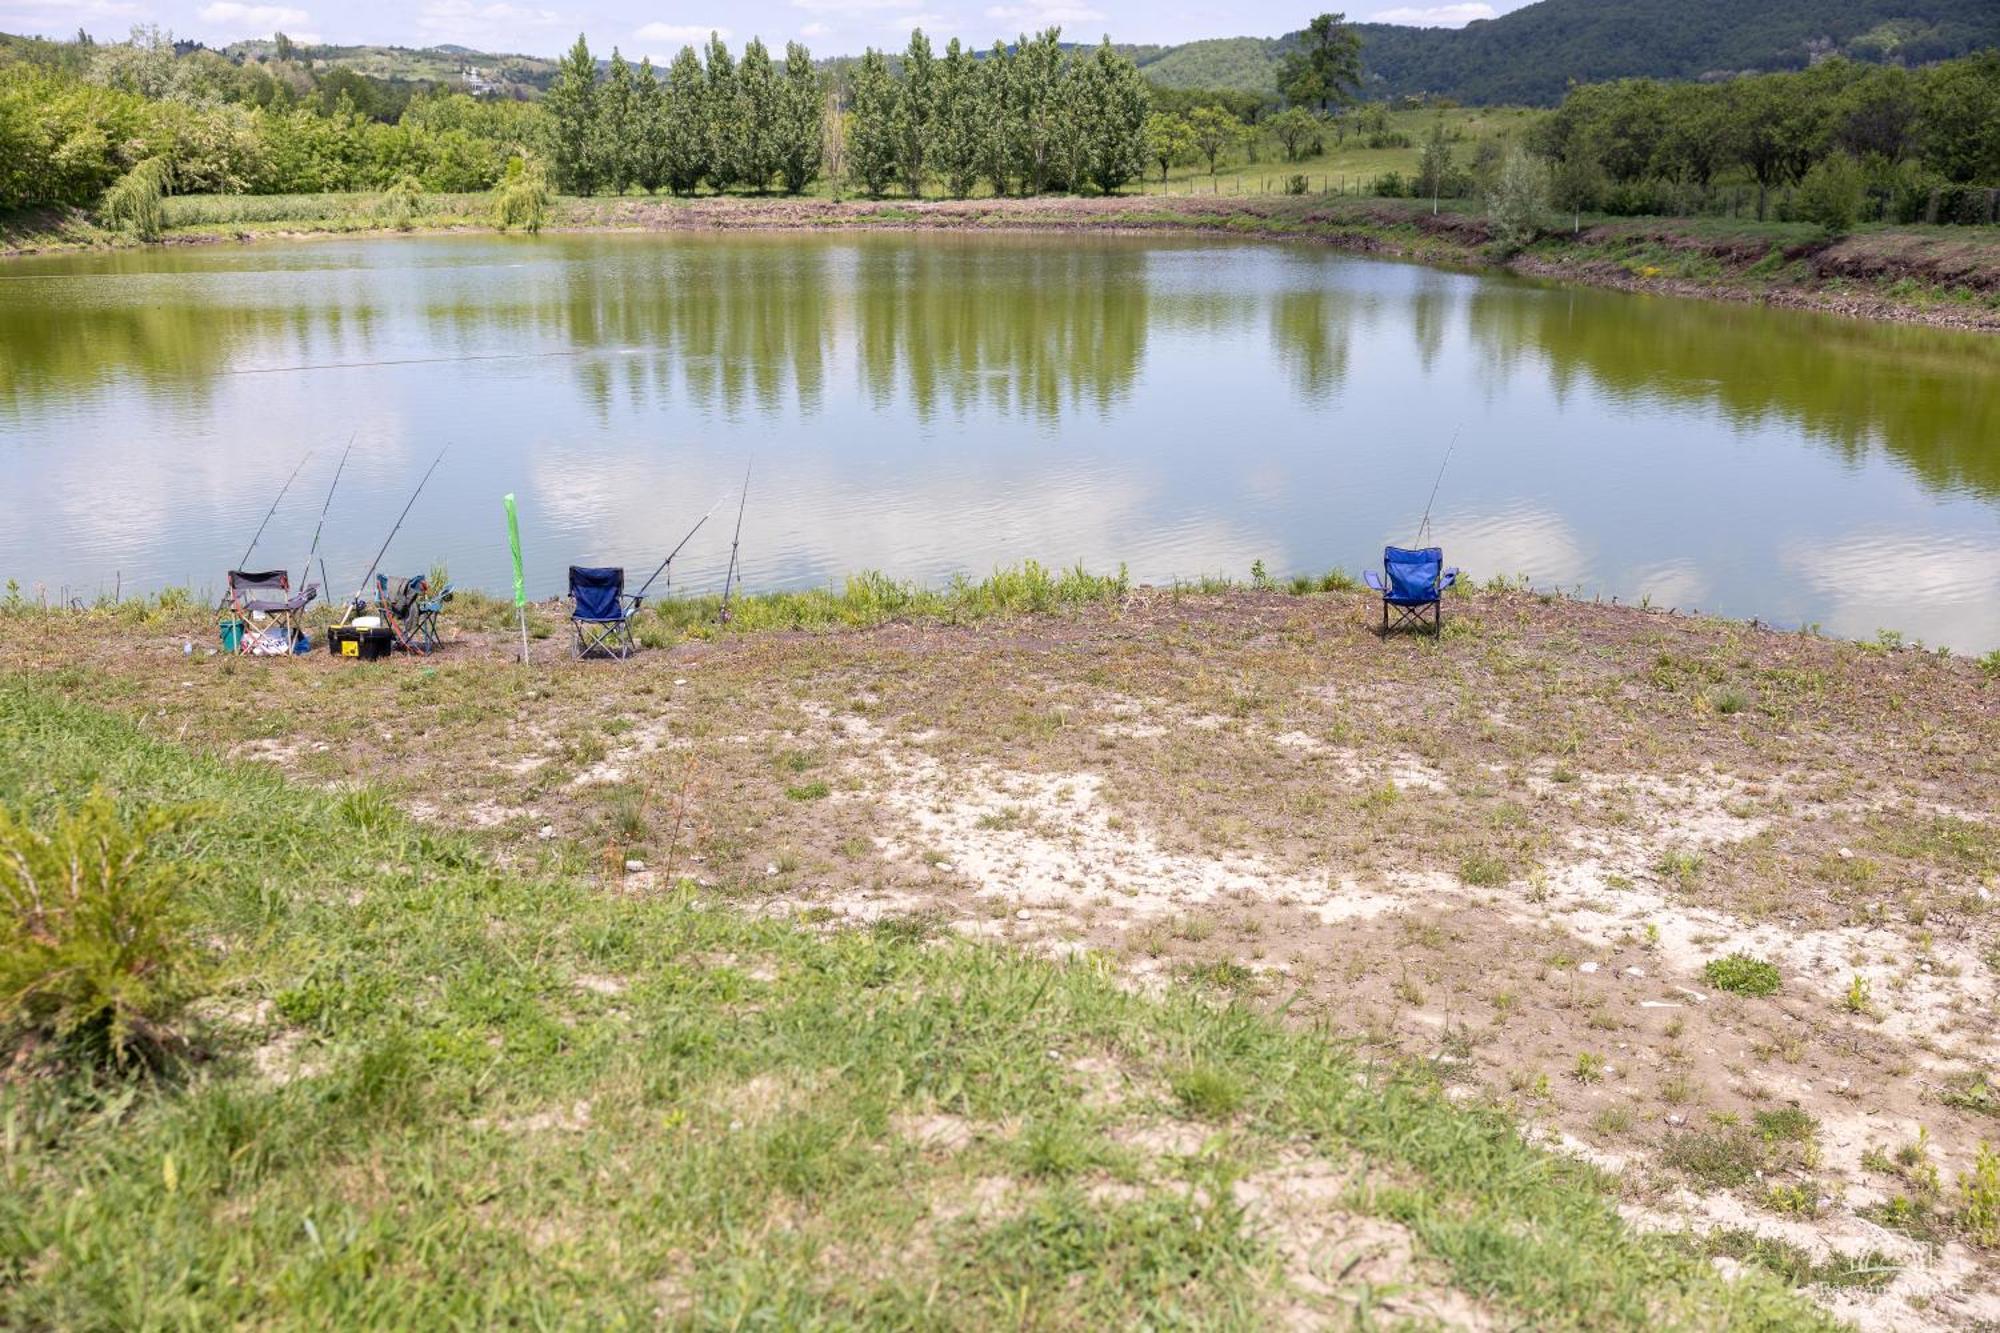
(1373, 580)
(1449, 577)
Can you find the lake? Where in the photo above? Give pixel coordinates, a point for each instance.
(925, 404)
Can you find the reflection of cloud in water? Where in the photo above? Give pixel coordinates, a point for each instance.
(1676, 583)
(1934, 588)
(809, 521)
(1529, 541)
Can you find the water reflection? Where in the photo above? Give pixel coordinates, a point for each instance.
(925, 404)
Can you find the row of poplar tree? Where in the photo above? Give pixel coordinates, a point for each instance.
(1022, 119)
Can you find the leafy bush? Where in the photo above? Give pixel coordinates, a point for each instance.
(1742, 974)
(1518, 206)
(1296, 184)
(133, 202)
(95, 947)
(1832, 193)
(402, 203)
(522, 197)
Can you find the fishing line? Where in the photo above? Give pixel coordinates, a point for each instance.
(430, 360)
(1425, 525)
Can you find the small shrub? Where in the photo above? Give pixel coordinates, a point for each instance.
(1859, 1000)
(1296, 184)
(522, 197)
(96, 951)
(1208, 1092)
(1483, 870)
(1832, 193)
(809, 791)
(133, 201)
(1517, 208)
(1979, 1200)
(1742, 974)
(399, 207)
(1589, 1068)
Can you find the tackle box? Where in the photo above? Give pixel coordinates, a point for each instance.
(364, 643)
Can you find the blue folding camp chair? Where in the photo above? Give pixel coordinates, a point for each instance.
(1414, 589)
(600, 611)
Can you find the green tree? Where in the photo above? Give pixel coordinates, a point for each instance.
(799, 131)
(1038, 121)
(723, 116)
(1325, 69)
(572, 107)
(1517, 206)
(1831, 193)
(648, 160)
(758, 103)
(955, 149)
(1110, 105)
(1293, 128)
(916, 121)
(522, 197)
(1959, 110)
(998, 112)
(1169, 141)
(1215, 133)
(873, 141)
(1434, 166)
(618, 126)
(685, 134)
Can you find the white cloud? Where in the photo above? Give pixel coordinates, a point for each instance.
(263, 18)
(1044, 16)
(681, 34)
(494, 26)
(1435, 16)
(816, 29)
(903, 23)
(61, 18)
(853, 6)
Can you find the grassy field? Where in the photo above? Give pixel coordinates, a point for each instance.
(1030, 952)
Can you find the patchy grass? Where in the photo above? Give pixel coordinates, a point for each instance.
(446, 1093)
(1742, 975)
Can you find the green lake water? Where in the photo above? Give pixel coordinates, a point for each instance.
(930, 404)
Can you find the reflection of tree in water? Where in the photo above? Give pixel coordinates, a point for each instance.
(170, 348)
(1028, 329)
(743, 323)
(1926, 396)
(1312, 331)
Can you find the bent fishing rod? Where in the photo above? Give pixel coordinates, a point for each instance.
(357, 598)
(1425, 525)
(729, 577)
(273, 509)
(677, 550)
(306, 573)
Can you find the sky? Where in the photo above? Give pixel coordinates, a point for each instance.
(639, 27)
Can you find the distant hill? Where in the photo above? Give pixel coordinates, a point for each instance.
(1528, 56)
(1532, 54)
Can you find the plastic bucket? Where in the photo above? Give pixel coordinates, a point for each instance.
(231, 631)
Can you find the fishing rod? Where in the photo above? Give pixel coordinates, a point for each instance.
(306, 573)
(356, 600)
(274, 509)
(1423, 526)
(677, 550)
(728, 578)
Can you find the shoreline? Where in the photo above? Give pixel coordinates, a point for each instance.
(1939, 277)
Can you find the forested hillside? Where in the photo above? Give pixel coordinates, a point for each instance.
(1533, 54)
